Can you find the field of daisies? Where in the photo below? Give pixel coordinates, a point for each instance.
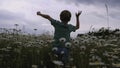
(95, 49)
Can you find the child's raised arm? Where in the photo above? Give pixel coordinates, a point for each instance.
(77, 19)
(44, 15)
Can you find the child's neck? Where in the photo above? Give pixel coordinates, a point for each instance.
(64, 22)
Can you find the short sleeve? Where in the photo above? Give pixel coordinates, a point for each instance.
(72, 28)
(54, 22)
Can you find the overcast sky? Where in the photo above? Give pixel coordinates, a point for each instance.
(23, 12)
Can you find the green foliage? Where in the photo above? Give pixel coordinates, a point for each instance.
(25, 51)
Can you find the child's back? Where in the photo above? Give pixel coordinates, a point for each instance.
(62, 30)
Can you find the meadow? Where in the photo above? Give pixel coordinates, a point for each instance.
(95, 49)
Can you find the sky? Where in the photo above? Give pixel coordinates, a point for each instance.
(94, 14)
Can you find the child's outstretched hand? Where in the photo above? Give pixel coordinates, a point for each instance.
(78, 14)
(38, 13)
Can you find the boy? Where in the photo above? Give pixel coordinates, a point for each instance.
(62, 30)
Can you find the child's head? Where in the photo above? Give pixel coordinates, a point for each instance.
(65, 16)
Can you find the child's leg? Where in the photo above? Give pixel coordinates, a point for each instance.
(65, 55)
(58, 53)
(62, 54)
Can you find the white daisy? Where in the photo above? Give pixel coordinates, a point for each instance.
(83, 47)
(54, 49)
(58, 63)
(34, 66)
(76, 42)
(41, 42)
(68, 44)
(62, 52)
(62, 39)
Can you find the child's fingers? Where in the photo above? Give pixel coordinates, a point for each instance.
(79, 12)
(38, 12)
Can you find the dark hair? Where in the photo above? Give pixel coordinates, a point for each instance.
(65, 15)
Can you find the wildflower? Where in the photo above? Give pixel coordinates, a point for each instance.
(50, 41)
(83, 47)
(93, 38)
(54, 49)
(19, 43)
(58, 63)
(118, 32)
(3, 39)
(106, 44)
(5, 49)
(82, 52)
(105, 54)
(117, 65)
(76, 42)
(71, 59)
(62, 39)
(93, 50)
(34, 66)
(99, 59)
(93, 57)
(86, 36)
(113, 45)
(98, 63)
(41, 42)
(74, 67)
(9, 47)
(72, 39)
(62, 52)
(100, 37)
(41, 62)
(46, 45)
(29, 45)
(85, 41)
(55, 55)
(68, 44)
(115, 57)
